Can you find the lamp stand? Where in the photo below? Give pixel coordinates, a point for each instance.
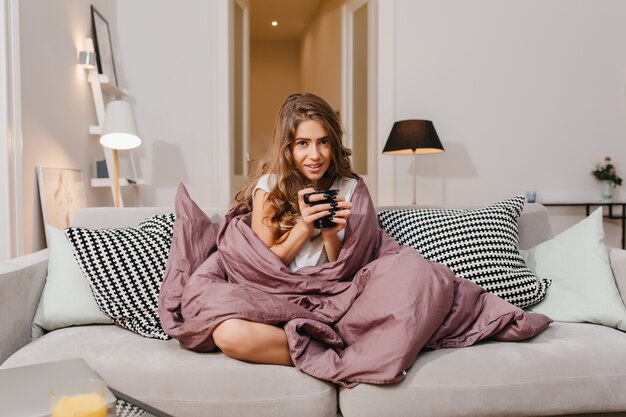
(414, 178)
(117, 178)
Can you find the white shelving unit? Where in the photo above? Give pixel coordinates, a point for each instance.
(106, 182)
(101, 88)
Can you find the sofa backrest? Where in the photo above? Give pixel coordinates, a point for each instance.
(534, 223)
(108, 217)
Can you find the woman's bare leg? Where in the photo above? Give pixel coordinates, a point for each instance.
(253, 342)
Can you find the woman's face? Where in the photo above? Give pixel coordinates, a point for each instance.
(311, 151)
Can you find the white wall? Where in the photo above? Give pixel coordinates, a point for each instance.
(174, 61)
(56, 103)
(524, 95)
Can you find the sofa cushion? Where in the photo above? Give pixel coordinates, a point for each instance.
(66, 299)
(480, 245)
(570, 368)
(181, 382)
(534, 225)
(21, 283)
(618, 265)
(125, 269)
(583, 288)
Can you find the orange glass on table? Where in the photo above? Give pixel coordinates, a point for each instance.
(79, 398)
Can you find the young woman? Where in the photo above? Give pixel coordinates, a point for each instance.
(307, 154)
(345, 303)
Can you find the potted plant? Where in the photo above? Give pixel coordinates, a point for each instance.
(607, 175)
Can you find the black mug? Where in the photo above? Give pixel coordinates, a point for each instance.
(324, 222)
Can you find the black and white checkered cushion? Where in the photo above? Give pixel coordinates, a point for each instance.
(126, 409)
(125, 269)
(479, 245)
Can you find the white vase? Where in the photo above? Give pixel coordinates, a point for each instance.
(607, 191)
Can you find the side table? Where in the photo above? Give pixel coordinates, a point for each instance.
(620, 215)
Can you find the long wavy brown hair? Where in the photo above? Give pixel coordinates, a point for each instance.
(281, 207)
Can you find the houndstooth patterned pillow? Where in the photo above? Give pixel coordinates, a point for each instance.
(126, 409)
(479, 245)
(125, 269)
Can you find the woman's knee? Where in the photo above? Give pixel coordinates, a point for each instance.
(233, 336)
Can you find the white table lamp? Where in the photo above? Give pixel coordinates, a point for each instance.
(119, 133)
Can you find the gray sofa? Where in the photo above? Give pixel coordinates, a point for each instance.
(570, 369)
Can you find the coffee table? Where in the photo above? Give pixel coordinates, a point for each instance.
(25, 390)
(127, 406)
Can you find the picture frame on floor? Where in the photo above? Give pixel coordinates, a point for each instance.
(62, 194)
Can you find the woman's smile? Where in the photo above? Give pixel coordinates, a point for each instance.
(314, 168)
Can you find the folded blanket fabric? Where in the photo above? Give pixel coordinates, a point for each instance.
(362, 318)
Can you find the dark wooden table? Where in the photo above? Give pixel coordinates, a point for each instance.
(620, 215)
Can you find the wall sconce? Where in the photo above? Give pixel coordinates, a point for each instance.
(412, 137)
(119, 132)
(87, 59)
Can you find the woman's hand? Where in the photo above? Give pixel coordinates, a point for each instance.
(310, 213)
(339, 209)
(340, 218)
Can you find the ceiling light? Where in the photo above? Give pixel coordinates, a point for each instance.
(274, 23)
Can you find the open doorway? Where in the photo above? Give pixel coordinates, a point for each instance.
(320, 46)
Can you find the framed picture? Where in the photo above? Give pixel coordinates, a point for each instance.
(62, 194)
(102, 44)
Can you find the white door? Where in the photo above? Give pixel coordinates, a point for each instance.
(359, 87)
(239, 92)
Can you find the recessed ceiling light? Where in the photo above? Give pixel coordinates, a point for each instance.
(274, 23)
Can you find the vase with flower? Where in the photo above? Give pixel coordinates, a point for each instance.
(607, 175)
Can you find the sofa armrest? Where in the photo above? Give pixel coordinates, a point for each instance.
(618, 264)
(21, 284)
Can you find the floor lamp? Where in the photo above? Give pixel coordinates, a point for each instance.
(413, 137)
(119, 132)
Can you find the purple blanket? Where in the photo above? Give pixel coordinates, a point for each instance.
(362, 318)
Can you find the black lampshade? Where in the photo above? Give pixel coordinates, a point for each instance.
(410, 137)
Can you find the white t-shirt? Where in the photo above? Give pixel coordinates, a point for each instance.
(312, 252)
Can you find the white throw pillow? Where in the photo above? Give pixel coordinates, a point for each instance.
(583, 288)
(67, 299)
